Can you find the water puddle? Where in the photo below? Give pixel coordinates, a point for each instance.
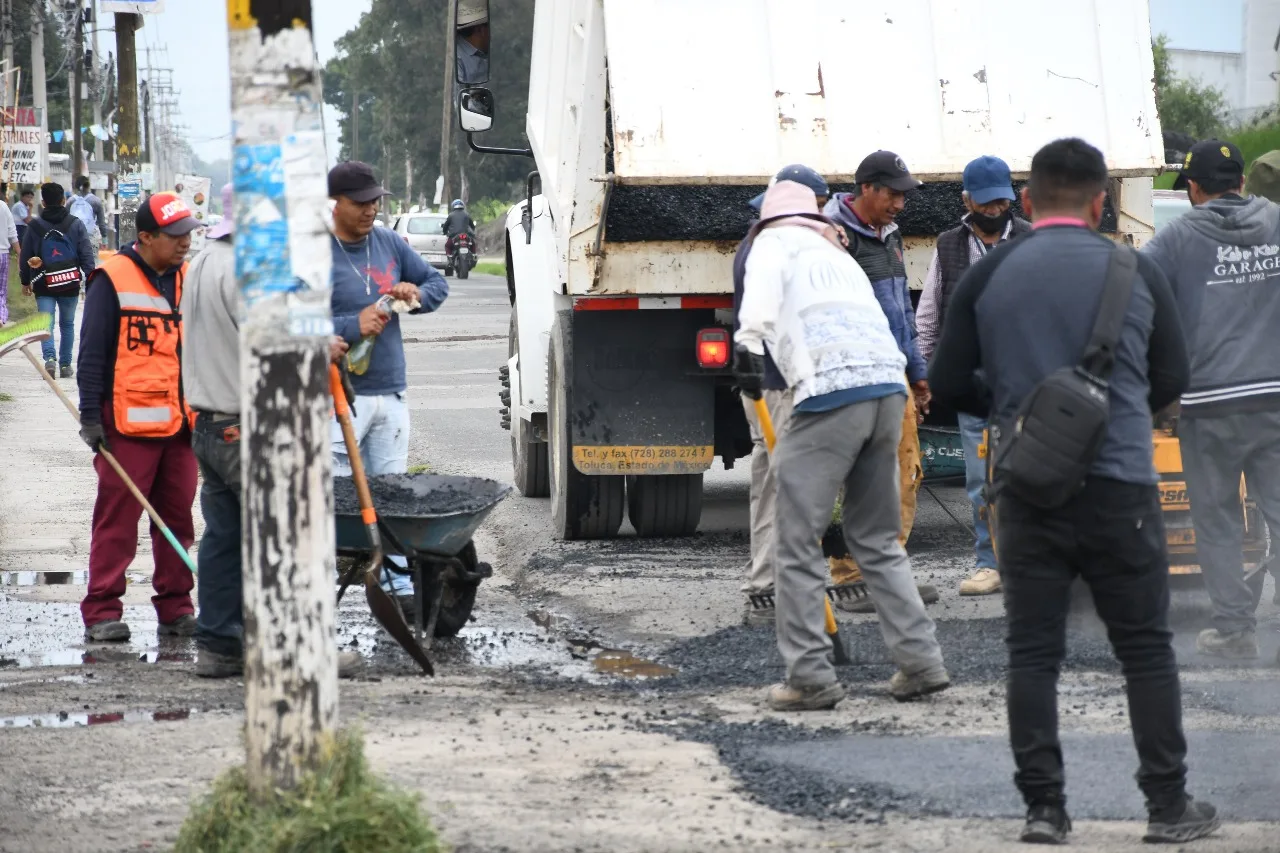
(87, 657)
(70, 679)
(43, 578)
(65, 720)
(626, 665)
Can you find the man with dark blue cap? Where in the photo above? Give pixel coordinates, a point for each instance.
(778, 398)
(988, 197)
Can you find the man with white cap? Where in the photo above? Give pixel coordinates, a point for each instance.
(472, 44)
(814, 307)
(988, 198)
(211, 378)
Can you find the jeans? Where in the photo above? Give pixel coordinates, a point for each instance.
(1215, 452)
(1111, 535)
(855, 447)
(382, 432)
(975, 480)
(220, 621)
(66, 316)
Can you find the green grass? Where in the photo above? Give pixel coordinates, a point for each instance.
(420, 469)
(491, 268)
(5, 398)
(20, 307)
(340, 808)
(1253, 143)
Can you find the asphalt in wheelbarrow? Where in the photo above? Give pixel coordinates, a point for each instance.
(420, 495)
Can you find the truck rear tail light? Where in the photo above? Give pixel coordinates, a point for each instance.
(713, 348)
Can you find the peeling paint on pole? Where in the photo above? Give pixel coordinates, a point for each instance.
(282, 264)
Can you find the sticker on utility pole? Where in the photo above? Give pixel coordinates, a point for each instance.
(304, 166)
(129, 188)
(262, 237)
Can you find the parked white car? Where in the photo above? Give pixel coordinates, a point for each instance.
(1168, 206)
(423, 233)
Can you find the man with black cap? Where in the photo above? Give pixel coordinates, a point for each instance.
(764, 487)
(132, 404)
(1223, 259)
(988, 197)
(868, 217)
(369, 263)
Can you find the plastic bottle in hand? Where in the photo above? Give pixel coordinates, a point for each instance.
(360, 355)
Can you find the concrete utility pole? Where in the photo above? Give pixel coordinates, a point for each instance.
(77, 75)
(283, 266)
(446, 118)
(95, 80)
(127, 139)
(39, 92)
(6, 24)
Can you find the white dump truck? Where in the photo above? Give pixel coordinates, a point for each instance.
(653, 122)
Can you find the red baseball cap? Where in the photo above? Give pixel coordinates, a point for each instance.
(168, 213)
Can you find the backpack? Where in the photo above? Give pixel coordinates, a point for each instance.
(82, 209)
(59, 273)
(1061, 425)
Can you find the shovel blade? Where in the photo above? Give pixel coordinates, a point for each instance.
(389, 616)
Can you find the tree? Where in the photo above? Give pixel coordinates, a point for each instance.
(1185, 106)
(392, 62)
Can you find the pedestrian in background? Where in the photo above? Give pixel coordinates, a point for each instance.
(815, 309)
(777, 396)
(22, 212)
(369, 263)
(988, 197)
(1027, 310)
(9, 233)
(1220, 257)
(55, 261)
(87, 207)
(868, 217)
(211, 308)
(132, 404)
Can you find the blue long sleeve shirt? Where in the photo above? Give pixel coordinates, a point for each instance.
(362, 272)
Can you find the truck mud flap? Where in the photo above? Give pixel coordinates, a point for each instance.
(640, 404)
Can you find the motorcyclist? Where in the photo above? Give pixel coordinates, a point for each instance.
(458, 221)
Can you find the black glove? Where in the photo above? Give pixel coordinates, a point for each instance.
(748, 370)
(93, 436)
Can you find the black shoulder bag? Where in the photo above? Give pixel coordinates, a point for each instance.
(1061, 425)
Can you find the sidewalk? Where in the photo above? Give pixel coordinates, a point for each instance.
(47, 491)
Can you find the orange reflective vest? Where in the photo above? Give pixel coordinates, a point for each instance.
(146, 393)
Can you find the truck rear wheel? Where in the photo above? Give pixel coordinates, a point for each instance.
(528, 456)
(582, 507)
(665, 505)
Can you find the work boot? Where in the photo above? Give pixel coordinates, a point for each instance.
(784, 697)
(981, 582)
(210, 664)
(905, 688)
(183, 626)
(1185, 821)
(349, 664)
(759, 617)
(66, 371)
(51, 367)
(928, 594)
(109, 631)
(1047, 823)
(1241, 645)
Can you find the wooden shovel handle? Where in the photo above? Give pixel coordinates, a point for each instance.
(343, 412)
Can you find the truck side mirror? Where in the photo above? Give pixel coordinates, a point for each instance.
(475, 110)
(471, 42)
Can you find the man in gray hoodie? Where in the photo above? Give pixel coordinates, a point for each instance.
(1223, 261)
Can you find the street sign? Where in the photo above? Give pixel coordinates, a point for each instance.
(129, 189)
(22, 146)
(137, 7)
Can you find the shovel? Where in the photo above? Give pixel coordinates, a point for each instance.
(841, 654)
(384, 609)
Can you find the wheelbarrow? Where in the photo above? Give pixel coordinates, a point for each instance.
(429, 520)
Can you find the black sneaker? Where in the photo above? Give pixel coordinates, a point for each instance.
(1046, 824)
(1187, 821)
(66, 372)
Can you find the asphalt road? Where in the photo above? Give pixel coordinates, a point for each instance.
(607, 689)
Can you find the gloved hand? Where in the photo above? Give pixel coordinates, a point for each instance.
(93, 435)
(748, 370)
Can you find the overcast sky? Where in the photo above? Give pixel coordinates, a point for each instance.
(195, 35)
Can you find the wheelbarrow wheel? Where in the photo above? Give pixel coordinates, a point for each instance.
(457, 598)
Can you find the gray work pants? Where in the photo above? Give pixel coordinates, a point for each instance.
(1215, 452)
(855, 446)
(764, 489)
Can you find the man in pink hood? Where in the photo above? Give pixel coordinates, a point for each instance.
(814, 307)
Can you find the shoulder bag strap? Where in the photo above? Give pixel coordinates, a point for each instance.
(1117, 290)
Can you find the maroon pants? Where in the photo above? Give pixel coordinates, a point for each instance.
(165, 471)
